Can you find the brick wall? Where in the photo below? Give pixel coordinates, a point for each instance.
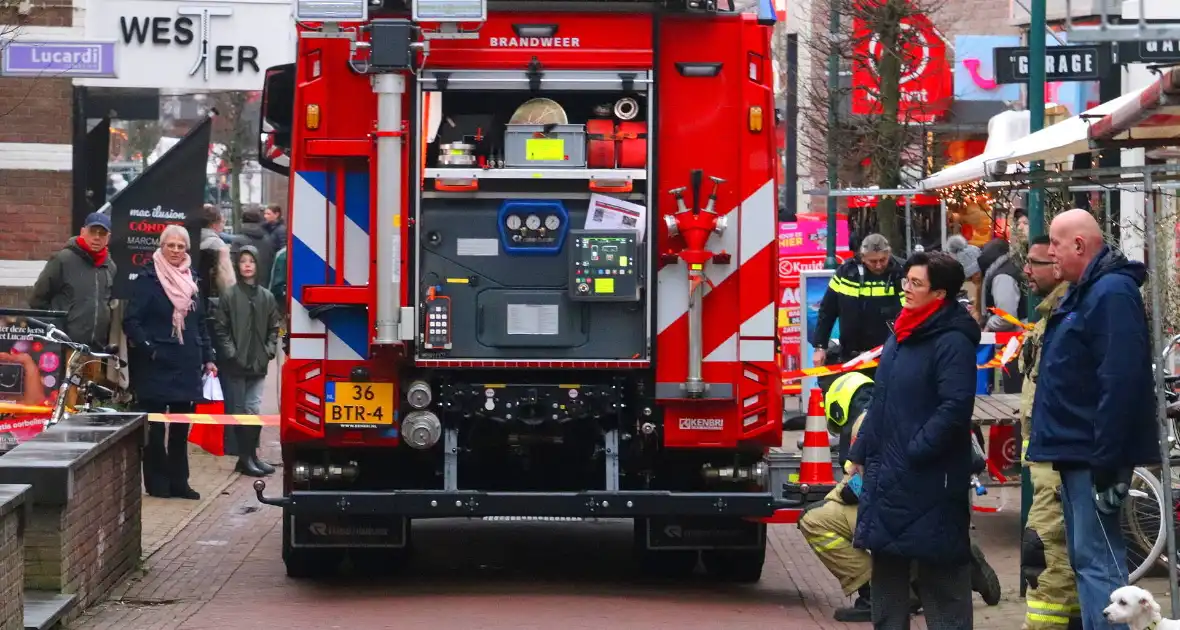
(14, 298)
(34, 204)
(89, 544)
(11, 572)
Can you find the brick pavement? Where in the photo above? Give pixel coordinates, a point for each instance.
(223, 568)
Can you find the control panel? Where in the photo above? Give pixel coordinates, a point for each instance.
(533, 227)
(438, 322)
(603, 265)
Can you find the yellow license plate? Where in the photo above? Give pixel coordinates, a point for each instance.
(358, 403)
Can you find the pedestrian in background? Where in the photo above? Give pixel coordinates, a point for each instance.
(865, 296)
(275, 226)
(1052, 596)
(246, 330)
(968, 256)
(255, 233)
(215, 271)
(915, 454)
(78, 280)
(169, 355)
(1093, 415)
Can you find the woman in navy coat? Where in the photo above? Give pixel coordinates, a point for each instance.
(915, 451)
(168, 355)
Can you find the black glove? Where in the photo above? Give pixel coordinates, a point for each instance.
(1111, 488)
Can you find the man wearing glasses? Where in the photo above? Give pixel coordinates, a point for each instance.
(1052, 597)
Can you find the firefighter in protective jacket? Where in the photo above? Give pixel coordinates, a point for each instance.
(865, 296)
(829, 525)
(1052, 596)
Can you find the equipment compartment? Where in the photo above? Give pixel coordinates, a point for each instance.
(495, 240)
(508, 304)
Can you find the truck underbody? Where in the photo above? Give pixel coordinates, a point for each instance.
(470, 338)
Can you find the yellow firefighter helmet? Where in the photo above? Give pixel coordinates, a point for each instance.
(838, 400)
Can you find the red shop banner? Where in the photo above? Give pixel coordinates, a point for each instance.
(927, 82)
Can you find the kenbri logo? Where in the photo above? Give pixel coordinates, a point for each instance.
(534, 42)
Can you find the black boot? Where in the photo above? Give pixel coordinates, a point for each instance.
(983, 578)
(266, 468)
(246, 467)
(861, 610)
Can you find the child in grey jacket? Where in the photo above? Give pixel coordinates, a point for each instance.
(246, 332)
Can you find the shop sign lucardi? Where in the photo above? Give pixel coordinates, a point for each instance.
(193, 45)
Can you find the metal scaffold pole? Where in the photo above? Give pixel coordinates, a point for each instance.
(1036, 196)
(833, 152)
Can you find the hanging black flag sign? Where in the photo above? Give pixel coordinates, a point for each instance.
(170, 191)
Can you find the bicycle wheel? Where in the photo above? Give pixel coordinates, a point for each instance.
(1142, 521)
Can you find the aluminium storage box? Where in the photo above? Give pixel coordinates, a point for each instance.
(545, 146)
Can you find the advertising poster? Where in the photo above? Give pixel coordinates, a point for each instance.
(812, 286)
(30, 371)
(802, 247)
(808, 235)
(170, 192)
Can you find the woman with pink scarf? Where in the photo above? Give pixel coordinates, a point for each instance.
(169, 353)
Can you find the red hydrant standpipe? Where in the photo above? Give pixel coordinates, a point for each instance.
(695, 226)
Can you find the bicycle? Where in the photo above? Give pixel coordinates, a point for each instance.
(1144, 526)
(89, 392)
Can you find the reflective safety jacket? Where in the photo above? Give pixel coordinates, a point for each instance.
(865, 303)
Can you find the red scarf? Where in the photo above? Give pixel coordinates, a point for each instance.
(99, 257)
(911, 318)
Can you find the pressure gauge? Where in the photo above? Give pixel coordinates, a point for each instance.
(513, 222)
(552, 222)
(533, 222)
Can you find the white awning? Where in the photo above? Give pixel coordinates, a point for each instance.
(1051, 144)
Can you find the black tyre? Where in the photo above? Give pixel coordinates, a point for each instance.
(740, 566)
(305, 563)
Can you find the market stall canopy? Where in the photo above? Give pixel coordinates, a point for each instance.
(1147, 120)
(1054, 143)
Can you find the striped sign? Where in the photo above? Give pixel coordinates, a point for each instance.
(226, 419)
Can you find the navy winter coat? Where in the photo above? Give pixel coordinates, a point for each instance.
(162, 370)
(1095, 398)
(916, 443)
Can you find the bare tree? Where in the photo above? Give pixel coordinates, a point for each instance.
(142, 138)
(876, 148)
(235, 128)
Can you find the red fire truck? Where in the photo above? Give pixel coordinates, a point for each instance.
(532, 272)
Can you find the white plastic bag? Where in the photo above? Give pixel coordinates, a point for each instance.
(212, 389)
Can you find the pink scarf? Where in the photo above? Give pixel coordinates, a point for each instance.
(179, 287)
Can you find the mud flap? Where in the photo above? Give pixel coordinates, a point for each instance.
(703, 533)
(340, 531)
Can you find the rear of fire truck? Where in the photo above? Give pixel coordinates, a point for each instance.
(531, 273)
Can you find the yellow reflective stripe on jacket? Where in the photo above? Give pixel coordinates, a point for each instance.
(1048, 612)
(826, 542)
(1042, 618)
(1023, 450)
(876, 288)
(843, 287)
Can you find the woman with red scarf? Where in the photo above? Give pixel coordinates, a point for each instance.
(914, 450)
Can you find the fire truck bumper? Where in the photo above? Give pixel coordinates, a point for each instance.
(463, 503)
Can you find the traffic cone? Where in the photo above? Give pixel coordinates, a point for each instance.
(817, 450)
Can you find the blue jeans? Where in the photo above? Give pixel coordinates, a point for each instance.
(1097, 551)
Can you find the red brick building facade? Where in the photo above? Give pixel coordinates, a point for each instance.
(35, 153)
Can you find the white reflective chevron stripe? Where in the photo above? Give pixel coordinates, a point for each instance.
(727, 352)
(761, 324)
(759, 225)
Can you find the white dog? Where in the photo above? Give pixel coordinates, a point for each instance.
(1137, 608)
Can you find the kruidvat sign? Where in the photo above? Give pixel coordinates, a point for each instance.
(28, 58)
(210, 45)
